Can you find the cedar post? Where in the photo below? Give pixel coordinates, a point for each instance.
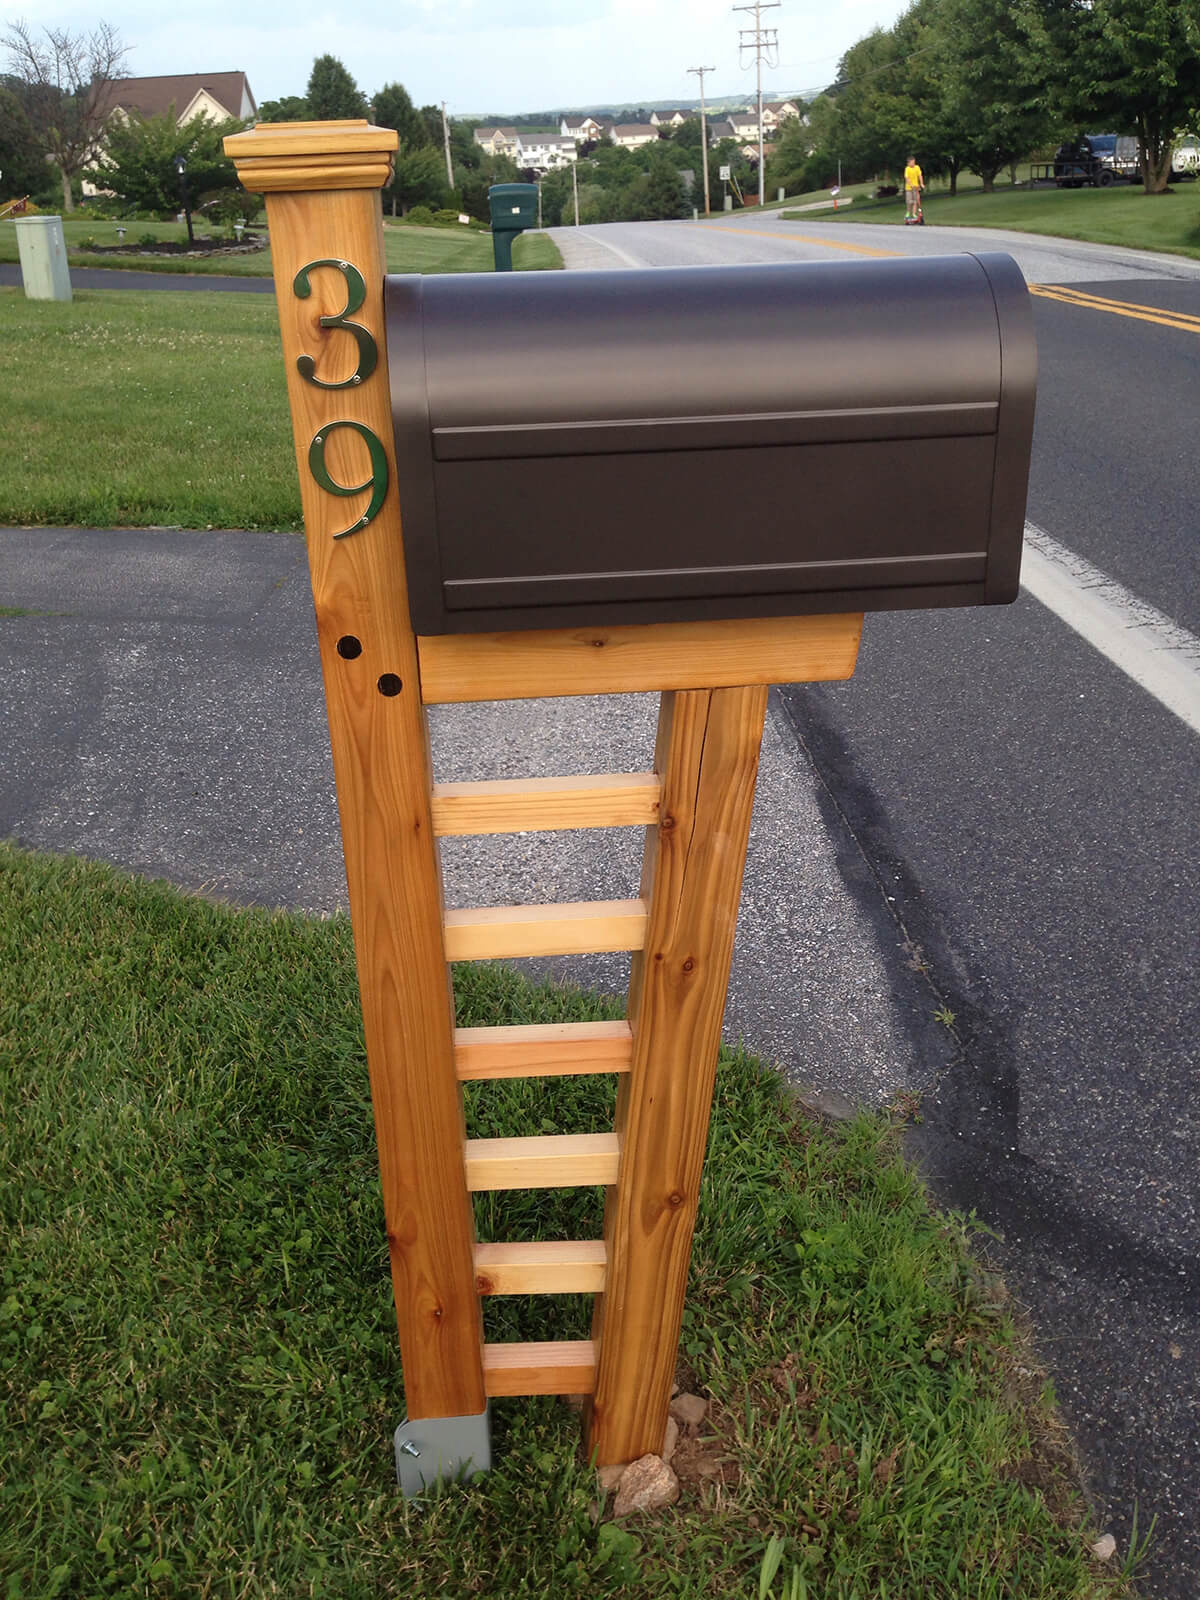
(322, 183)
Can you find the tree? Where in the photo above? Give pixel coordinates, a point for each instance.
(26, 170)
(420, 172)
(139, 160)
(292, 108)
(992, 83)
(332, 93)
(392, 107)
(1140, 72)
(64, 82)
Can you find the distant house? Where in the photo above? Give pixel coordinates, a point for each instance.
(669, 119)
(582, 129)
(744, 124)
(215, 95)
(778, 112)
(497, 141)
(543, 152)
(630, 135)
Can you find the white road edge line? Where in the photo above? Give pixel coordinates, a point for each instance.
(1159, 655)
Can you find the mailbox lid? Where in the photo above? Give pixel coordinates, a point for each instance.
(707, 442)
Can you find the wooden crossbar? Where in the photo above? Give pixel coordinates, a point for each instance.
(571, 1266)
(548, 1049)
(567, 1366)
(547, 1161)
(482, 933)
(532, 805)
(623, 660)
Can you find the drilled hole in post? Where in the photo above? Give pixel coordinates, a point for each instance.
(390, 684)
(348, 647)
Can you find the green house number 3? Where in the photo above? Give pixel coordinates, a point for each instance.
(368, 359)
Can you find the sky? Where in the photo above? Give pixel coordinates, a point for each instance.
(479, 56)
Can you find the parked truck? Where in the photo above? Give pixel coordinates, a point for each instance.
(1100, 159)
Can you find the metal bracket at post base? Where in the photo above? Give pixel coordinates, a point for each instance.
(430, 1450)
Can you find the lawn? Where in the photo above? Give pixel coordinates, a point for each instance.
(139, 409)
(409, 249)
(1122, 215)
(200, 1378)
(136, 408)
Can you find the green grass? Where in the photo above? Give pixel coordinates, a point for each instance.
(409, 249)
(198, 1372)
(131, 408)
(1122, 215)
(136, 408)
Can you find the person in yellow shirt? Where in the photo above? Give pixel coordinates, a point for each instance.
(914, 182)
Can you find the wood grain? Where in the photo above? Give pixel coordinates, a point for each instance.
(707, 755)
(573, 1266)
(515, 805)
(566, 1367)
(380, 764)
(552, 1049)
(484, 933)
(624, 660)
(546, 1161)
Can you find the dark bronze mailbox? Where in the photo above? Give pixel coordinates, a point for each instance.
(686, 443)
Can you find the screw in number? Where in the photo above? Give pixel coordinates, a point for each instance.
(408, 1448)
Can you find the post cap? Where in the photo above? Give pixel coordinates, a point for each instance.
(277, 157)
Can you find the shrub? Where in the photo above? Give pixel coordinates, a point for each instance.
(421, 215)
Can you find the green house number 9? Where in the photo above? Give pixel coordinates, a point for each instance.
(368, 358)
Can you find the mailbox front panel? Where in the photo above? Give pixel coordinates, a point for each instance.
(694, 443)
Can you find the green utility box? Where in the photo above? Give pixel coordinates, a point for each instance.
(514, 208)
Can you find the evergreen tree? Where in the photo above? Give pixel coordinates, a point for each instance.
(332, 93)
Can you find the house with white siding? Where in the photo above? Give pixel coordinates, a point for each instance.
(545, 151)
(582, 129)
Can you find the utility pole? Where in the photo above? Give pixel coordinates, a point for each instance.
(575, 187)
(764, 42)
(699, 72)
(446, 143)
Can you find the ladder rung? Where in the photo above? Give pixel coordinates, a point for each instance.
(481, 933)
(565, 1367)
(554, 1161)
(549, 1049)
(558, 1266)
(515, 805)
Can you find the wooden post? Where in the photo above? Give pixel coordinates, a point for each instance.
(322, 183)
(707, 761)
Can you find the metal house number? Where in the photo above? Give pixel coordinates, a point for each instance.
(368, 360)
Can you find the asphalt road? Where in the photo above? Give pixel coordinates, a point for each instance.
(990, 819)
(1014, 808)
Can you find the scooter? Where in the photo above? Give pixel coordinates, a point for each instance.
(919, 219)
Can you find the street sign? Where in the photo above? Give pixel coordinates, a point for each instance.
(724, 173)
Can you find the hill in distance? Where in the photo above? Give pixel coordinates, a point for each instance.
(625, 112)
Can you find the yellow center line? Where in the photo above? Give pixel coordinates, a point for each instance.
(1182, 321)
(807, 238)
